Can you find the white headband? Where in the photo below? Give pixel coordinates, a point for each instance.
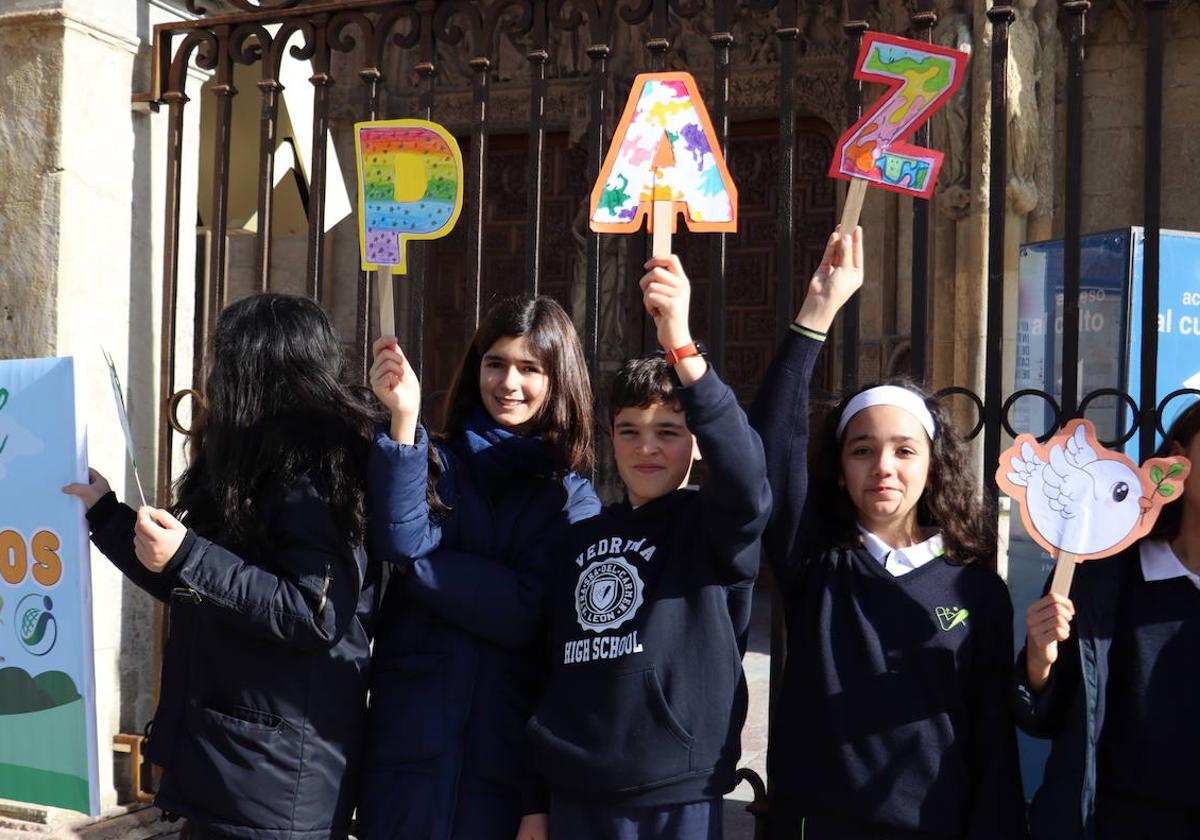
(888, 395)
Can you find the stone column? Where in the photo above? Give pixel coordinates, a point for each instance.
(81, 235)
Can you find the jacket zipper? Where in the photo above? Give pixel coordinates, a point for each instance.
(186, 593)
(325, 587)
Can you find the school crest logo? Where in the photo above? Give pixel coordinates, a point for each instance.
(608, 594)
(951, 617)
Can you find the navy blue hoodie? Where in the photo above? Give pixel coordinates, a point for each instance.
(650, 608)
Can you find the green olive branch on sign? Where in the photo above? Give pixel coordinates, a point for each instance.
(1163, 485)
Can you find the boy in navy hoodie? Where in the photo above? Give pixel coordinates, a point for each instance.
(638, 734)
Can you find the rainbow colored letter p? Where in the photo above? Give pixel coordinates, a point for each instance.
(410, 177)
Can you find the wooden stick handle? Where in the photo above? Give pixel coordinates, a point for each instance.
(387, 303)
(660, 229)
(852, 209)
(1064, 571)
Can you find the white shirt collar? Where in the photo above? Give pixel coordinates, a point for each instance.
(1160, 563)
(900, 561)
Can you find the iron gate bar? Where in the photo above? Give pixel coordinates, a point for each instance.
(923, 20)
(537, 56)
(856, 24)
(321, 81)
(372, 79)
(787, 33)
(1076, 17)
(224, 91)
(599, 22)
(175, 97)
(722, 42)
(476, 163)
(1152, 223)
(1000, 15)
(267, 53)
(418, 253)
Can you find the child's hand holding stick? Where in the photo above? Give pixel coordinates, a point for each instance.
(396, 385)
(1047, 622)
(835, 281)
(667, 296)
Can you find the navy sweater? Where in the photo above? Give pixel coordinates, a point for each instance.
(893, 711)
(1150, 744)
(650, 606)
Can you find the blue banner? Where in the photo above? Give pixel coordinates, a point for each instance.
(47, 685)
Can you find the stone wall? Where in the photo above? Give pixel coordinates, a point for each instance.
(81, 220)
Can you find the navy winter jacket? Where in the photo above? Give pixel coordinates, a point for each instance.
(264, 681)
(457, 662)
(1071, 706)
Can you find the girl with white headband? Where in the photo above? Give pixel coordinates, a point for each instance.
(894, 722)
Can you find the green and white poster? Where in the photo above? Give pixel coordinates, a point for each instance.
(47, 685)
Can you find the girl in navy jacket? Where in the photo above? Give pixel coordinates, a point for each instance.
(893, 721)
(458, 664)
(1110, 675)
(264, 685)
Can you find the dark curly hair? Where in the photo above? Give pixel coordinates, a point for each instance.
(1182, 431)
(275, 406)
(951, 501)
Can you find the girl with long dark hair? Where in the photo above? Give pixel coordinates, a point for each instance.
(892, 722)
(264, 679)
(458, 656)
(1109, 674)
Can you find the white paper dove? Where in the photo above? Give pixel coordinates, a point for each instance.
(1078, 497)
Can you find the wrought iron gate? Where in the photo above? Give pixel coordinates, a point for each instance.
(355, 42)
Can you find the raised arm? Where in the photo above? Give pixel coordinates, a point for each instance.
(781, 408)
(735, 497)
(401, 524)
(501, 599)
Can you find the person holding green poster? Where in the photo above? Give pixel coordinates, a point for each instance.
(272, 596)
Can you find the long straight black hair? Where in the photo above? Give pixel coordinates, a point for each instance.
(565, 419)
(275, 407)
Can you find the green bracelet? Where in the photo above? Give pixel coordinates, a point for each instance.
(815, 335)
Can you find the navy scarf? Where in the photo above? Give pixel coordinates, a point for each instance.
(499, 456)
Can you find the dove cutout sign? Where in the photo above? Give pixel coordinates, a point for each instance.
(1081, 501)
